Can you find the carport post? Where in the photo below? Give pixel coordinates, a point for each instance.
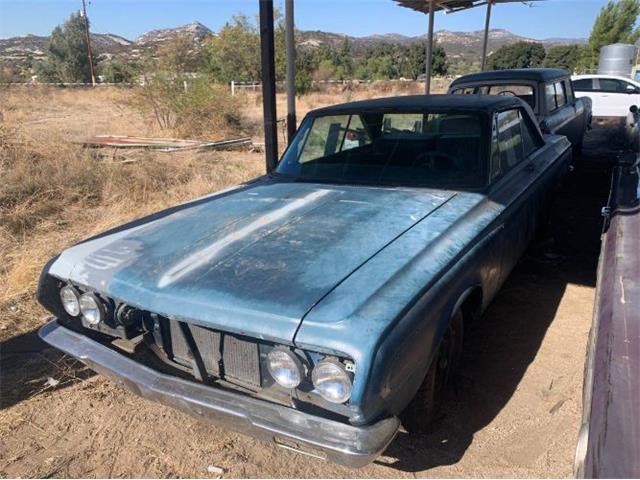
(485, 45)
(429, 62)
(291, 70)
(267, 51)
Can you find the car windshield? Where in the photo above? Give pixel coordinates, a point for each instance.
(524, 92)
(440, 150)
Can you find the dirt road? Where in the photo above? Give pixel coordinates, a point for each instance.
(514, 412)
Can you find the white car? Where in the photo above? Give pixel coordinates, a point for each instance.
(612, 96)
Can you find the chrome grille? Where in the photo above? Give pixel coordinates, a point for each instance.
(240, 358)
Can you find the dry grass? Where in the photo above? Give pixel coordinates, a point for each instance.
(54, 193)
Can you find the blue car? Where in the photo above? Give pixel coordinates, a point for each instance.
(324, 304)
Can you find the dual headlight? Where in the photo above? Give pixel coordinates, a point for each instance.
(330, 378)
(86, 304)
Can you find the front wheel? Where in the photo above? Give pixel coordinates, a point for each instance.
(423, 409)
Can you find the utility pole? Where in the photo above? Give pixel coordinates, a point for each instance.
(89, 53)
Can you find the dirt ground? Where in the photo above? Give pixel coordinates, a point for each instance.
(514, 412)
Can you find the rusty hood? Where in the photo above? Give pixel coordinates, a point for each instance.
(253, 260)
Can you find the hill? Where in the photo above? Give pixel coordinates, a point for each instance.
(461, 47)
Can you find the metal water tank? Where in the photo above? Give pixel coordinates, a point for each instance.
(617, 59)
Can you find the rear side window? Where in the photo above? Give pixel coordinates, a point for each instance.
(561, 95)
(530, 138)
(555, 96)
(513, 139)
(509, 139)
(568, 87)
(550, 96)
(583, 85)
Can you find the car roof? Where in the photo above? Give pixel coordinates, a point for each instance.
(533, 74)
(416, 103)
(598, 75)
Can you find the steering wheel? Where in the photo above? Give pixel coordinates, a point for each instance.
(507, 93)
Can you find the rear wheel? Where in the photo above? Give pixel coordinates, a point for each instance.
(423, 410)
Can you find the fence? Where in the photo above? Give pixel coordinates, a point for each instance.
(257, 86)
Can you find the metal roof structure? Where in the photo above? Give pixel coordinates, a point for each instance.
(267, 56)
(451, 6)
(430, 7)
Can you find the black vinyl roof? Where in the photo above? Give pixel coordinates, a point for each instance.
(531, 74)
(418, 103)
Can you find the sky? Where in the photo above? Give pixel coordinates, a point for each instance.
(130, 18)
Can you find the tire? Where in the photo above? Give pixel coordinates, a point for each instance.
(424, 408)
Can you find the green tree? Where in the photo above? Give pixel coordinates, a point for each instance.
(517, 55)
(615, 24)
(563, 56)
(66, 53)
(234, 54)
(118, 71)
(416, 55)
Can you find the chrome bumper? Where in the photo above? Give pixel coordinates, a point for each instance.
(288, 428)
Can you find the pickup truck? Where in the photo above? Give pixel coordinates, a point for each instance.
(609, 439)
(323, 304)
(548, 91)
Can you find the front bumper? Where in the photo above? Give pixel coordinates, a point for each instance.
(288, 428)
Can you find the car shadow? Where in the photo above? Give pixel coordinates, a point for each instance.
(502, 344)
(29, 367)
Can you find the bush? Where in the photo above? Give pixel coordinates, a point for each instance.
(190, 107)
(118, 71)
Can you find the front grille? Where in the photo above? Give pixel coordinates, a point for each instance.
(224, 355)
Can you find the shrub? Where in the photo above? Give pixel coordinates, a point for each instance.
(192, 107)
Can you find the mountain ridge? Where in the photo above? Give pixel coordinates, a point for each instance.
(465, 46)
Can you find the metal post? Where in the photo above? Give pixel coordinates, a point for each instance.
(291, 70)
(88, 35)
(485, 45)
(429, 62)
(267, 50)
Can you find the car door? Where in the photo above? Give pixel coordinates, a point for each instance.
(633, 96)
(561, 113)
(515, 168)
(617, 96)
(585, 87)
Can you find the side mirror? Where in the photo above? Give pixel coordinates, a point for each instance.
(633, 109)
(632, 89)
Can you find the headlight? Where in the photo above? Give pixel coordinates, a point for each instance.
(285, 368)
(91, 308)
(332, 381)
(70, 300)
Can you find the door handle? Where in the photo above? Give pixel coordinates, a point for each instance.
(530, 167)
